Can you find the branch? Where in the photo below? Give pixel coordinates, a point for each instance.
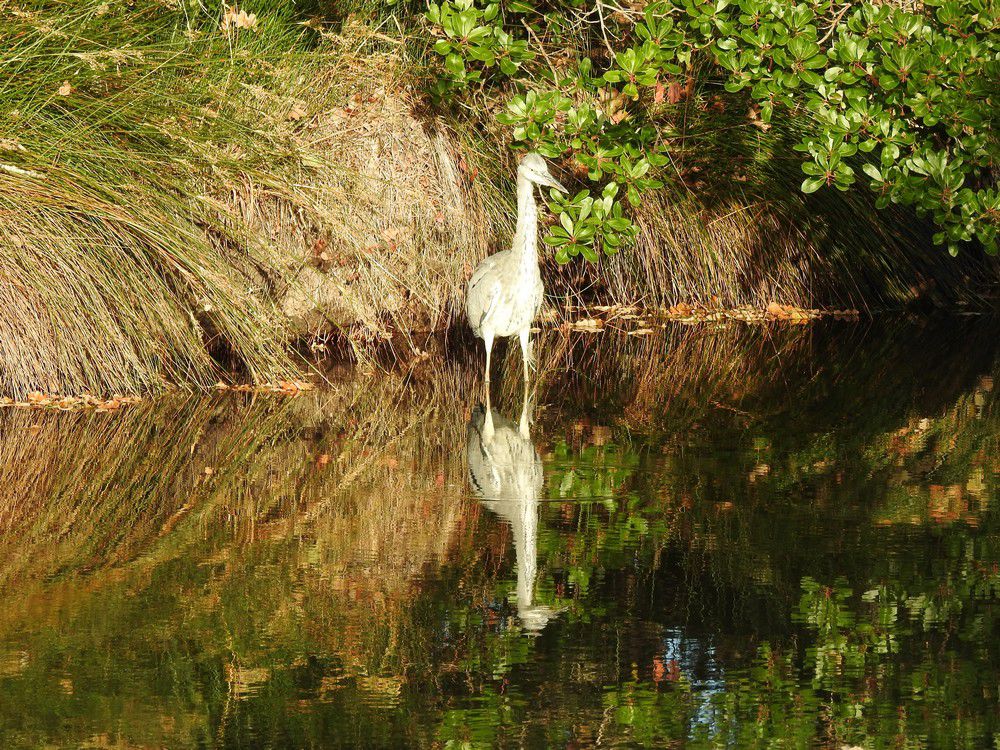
(541, 48)
(604, 31)
(833, 24)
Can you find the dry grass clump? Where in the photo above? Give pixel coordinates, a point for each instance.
(118, 272)
(388, 227)
(785, 248)
(94, 296)
(182, 189)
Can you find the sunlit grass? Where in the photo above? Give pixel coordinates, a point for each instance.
(122, 124)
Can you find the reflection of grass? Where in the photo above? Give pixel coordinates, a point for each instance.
(309, 535)
(330, 576)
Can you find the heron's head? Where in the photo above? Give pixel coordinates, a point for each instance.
(534, 169)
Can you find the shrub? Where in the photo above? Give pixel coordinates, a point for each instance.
(905, 97)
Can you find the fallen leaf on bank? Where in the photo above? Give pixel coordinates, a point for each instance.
(587, 324)
(287, 387)
(791, 312)
(681, 309)
(66, 89)
(235, 18)
(640, 332)
(775, 309)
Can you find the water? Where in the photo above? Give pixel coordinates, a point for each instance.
(733, 538)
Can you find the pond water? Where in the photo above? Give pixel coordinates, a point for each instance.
(744, 537)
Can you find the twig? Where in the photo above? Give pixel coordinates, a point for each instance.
(604, 31)
(541, 48)
(18, 171)
(833, 24)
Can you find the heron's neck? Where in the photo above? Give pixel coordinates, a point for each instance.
(526, 234)
(525, 533)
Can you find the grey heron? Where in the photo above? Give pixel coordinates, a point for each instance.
(505, 472)
(505, 291)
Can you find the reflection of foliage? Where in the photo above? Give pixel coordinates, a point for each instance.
(871, 669)
(763, 577)
(733, 531)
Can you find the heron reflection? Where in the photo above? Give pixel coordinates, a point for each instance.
(505, 471)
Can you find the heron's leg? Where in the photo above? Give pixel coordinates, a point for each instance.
(488, 429)
(525, 337)
(524, 425)
(488, 343)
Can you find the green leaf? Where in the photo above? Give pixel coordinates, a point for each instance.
(872, 171)
(454, 64)
(812, 184)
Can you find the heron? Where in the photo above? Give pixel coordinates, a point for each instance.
(505, 291)
(505, 472)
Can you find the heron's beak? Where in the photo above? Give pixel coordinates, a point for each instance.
(553, 182)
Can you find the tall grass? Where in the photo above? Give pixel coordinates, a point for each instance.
(174, 193)
(122, 127)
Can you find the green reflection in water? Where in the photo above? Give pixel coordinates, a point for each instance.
(739, 538)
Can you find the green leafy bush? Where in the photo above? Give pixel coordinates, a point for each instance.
(906, 98)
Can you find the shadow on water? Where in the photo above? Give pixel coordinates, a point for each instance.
(742, 537)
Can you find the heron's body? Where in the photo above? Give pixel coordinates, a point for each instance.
(505, 291)
(505, 472)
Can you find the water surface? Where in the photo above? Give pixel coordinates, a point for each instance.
(730, 538)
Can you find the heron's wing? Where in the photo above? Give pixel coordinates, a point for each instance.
(484, 289)
(489, 263)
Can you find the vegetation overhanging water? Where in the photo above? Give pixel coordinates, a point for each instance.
(745, 537)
